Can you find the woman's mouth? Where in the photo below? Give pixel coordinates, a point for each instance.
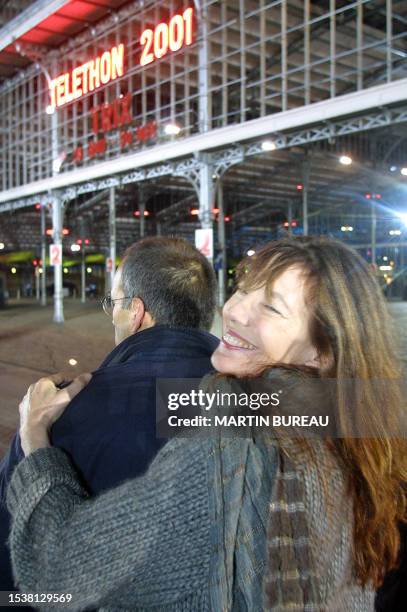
(232, 341)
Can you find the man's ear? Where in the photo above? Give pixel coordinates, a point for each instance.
(137, 312)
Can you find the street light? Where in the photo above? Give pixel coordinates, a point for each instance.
(403, 216)
(172, 129)
(268, 145)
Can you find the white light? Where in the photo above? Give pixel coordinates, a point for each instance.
(383, 268)
(89, 270)
(1, 246)
(58, 161)
(65, 270)
(403, 217)
(403, 171)
(56, 165)
(345, 160)
(395, 232)
(393, 168)
(72, 362)
(385, 258)
(343, 228)
(39, 270)
(75, 248)
(172, 129)
(50, 110)
(250, 252)
(268, 145)
(350, 228)
(13, 270)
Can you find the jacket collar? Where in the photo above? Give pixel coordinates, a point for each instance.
(145, 345)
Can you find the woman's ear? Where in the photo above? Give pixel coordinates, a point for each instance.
(319, 361)
(314, 361)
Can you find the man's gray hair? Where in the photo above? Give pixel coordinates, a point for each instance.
(174, 280)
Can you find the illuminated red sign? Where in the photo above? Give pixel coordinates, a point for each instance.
(89, 76)
(106, 117)
(167, 37)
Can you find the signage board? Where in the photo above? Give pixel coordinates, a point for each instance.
(110, 65)
(55, 254)
(204, 242)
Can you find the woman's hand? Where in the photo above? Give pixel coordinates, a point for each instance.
(42, 405)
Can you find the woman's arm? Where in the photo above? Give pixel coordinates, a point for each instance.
(144, 543)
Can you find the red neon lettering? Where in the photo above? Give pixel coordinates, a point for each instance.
(126, 138)
(146, 132)
(106, 117)
(94, 74)
(188, 18)
(76, 83)
(146, 39)
(116, 113)
(176, 32)
(161, 40)
(117, 54)
(97, 147)
(60, 86)
(167, 37)
(77, 155)
(126, 110)
(105, 68)
(95, 119)
(87, 77)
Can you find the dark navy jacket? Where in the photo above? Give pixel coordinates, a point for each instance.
(109, 427)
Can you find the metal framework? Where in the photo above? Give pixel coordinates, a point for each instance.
(250, 60)
(308, 76)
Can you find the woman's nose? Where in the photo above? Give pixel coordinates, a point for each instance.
(238, 309)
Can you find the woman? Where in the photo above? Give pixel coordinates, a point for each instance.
(223, 522)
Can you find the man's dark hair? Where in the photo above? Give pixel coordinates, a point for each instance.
(175, 281)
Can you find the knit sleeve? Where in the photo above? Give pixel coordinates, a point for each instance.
(142, 544)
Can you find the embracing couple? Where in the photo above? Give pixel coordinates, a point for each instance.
(100, 508)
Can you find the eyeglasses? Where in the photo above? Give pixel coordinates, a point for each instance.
(108, 303)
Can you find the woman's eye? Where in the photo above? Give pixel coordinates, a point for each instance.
(269, 307)
(242, 291)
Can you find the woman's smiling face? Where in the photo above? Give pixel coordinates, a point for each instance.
(259, 331)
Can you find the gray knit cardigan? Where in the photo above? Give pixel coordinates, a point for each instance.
(189, 535)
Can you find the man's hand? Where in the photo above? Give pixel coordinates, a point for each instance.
(42, 405)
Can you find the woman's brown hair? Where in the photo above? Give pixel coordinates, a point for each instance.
(353, 333)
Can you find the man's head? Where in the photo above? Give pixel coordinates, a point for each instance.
(162, 281)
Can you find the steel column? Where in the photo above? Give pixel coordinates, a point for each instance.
(204, 102)
(43, 258)
(222, 246)
(112, 232)
(305, 183)
(206, 192)
(290, 218)
(57, 236)
(142, 209)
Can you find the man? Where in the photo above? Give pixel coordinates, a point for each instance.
(162, 303)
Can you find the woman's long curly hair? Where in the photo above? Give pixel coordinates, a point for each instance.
(352, 331)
